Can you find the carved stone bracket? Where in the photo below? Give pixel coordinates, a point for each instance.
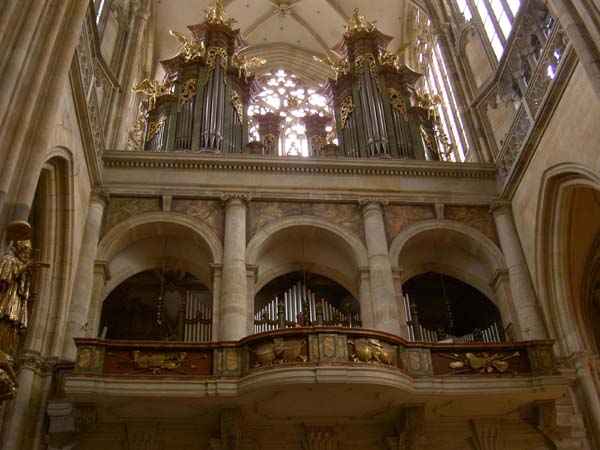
(319, 438)
(411, 430)
(486, 436)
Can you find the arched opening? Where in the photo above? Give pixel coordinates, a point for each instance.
(154, 248)
(160, 304)
(304, 299)
(441, 308)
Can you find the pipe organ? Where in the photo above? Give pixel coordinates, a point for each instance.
(299, 306)
(416, 332)
(200, 105)
(197, 321)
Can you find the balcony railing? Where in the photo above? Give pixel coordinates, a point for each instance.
(305, 347)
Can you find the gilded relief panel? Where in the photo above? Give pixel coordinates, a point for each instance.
(399, 217)
(209, 212)
(478, 217)
(346, 216)
(122, 208)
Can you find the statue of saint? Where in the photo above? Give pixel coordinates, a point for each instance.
(15, 279)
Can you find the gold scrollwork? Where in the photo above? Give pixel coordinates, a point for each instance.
(134, 141)
(157, 362)
(188, 91)
(154, 127)
(358, 67)
(211, 57)
(346, 108)
(340, 67)
(236, 101)
(245, 64)
(397, 102)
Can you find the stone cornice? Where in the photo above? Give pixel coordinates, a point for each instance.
(331, 166)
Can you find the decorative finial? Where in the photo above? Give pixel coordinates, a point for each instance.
(358, 23)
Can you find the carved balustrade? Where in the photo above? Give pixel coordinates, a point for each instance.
(309, 347)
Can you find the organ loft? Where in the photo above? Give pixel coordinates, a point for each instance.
(299, 225)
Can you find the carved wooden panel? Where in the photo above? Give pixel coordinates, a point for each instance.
(158, 362)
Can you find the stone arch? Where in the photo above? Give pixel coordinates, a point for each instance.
(52, 205)
(560, 278)
(275, 250)
(152, 228)
(457, 250)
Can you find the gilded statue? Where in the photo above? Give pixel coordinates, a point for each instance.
(428, 102)
(215, 13)
(190, 48)
(340, 67)
(388, 58)
(153, 89)
(15, 280)
(245, 64)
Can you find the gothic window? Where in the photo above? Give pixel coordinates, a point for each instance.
(495, 17)
(288, 96)
(430, 62)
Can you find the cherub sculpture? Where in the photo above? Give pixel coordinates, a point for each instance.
(153, 89)
(190, 48)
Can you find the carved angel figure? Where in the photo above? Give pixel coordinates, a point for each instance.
(15, 279)
(245, 64)
(340, 67)
(387, 58)
(153, 89)
(190, 48)
(215, 14)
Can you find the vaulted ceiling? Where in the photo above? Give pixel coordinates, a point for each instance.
(287, 32)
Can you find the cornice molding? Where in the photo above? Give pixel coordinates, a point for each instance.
(330, 166)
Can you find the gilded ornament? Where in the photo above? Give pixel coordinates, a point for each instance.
(154, 127)
(134, 141)
(190, 48)
(340, 67)
(8, 378)
(482, 362)
(211, 57)
(188, 92)
(245, 64)
(397, 102)
(328, 346)
(236, 101)
(157, 362)
(280, 351)
(153, 89)
(388, 59)
(358, 23)
(269, 143)
(429, 103)
(232, 361)
(373, 350)
(346, 108)
(215, 13)
(358, 67)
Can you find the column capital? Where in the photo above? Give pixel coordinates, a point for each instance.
(100, 195)
(372, 203)
(236, 199)
(500, 206)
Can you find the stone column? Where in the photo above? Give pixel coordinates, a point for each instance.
(101, 277)
(529, 316)
(365, 300)
(77, 325)
(397, 274)
(234, 293)
(589, 391)
(217, 274)
(385, 307)
(251, 276)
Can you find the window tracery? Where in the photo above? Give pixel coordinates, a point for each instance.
(288, 96)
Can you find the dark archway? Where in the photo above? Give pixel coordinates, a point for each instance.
(158, 305)
(443, 307)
